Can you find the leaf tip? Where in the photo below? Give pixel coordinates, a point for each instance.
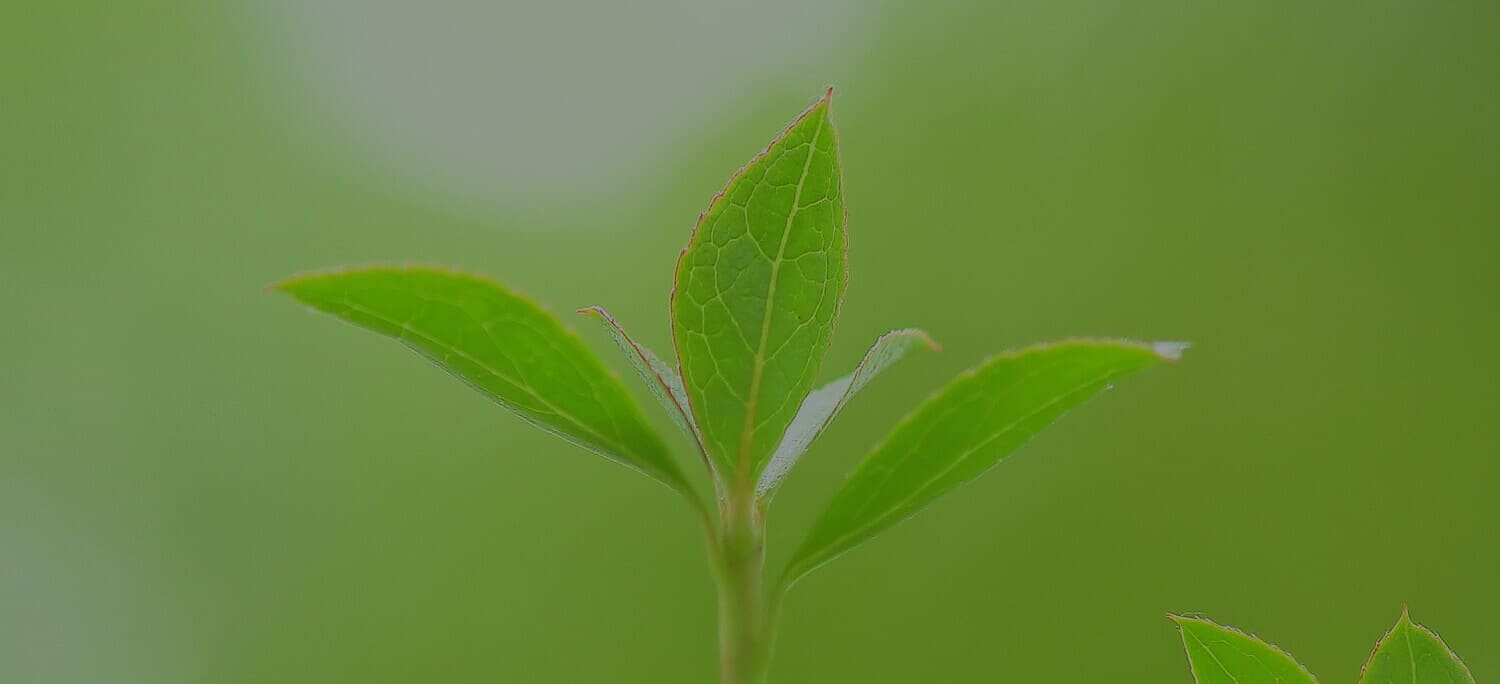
(288, 285)
(1183, 619)
(915, 333)
(291, 283)
(1170, 351)
(1402, 622)
(932, 344)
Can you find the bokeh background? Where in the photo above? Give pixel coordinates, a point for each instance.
(200, 482)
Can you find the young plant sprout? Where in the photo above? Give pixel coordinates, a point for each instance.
(757, 293)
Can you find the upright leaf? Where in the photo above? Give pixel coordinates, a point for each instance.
(1412, 654)
(661, 377)
(1224, 655)
(823, 405)
(757, 290)
(965, 429)
(501, 344)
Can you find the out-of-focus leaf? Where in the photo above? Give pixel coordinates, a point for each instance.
(1225, 655)
(757, 291)
(823, 404)
(501, 344)
(963, 430)
(1412, 654)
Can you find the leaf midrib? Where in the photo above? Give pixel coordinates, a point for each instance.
(1411, 656)
(747, 431)
(1206, 649)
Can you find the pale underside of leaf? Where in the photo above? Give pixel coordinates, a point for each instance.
(962, 431)
(661, 378)
(501, 344)
(824, 404)
(1412, 654)
(1224, 655)
(757, 290)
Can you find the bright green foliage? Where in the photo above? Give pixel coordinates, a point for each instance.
(1408, 654)
(501, 344)
(757, 291)
(824, 404)
(963, 430)
(1225, 655)
(1412, 654)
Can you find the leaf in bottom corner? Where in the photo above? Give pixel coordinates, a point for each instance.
(1225, 655)
(1413, 654)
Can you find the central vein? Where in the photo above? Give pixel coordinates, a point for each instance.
(742, 463)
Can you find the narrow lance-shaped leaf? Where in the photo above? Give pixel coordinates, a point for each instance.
(661, 377)
(503, 345)
(1224, 655)
(965, 429)
(1412, 654)
(757, 290)
(823, 405)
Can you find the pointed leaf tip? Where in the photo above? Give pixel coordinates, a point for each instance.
(1410, 653)
(1170, 351)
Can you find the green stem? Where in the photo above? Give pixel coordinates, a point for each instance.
(744, 630)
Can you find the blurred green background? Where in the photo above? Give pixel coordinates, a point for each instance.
(200, 482)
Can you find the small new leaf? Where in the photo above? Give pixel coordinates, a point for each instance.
(1225, 655)
(962, 431)
(661, 377)
(823, 405)
(503, 345)
(756, 293)
(1413, 654)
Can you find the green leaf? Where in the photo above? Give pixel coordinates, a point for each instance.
(1225, 655)
(965, 429)
(501, 344)
(661, 377)
(1412, 654)
(823, 405)
(757, 291)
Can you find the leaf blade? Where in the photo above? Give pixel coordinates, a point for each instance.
(501, 344)
(1411, 654)
(824, 404)
(661, 378)
(757, 290)
(963, 430)
(1224, 655)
